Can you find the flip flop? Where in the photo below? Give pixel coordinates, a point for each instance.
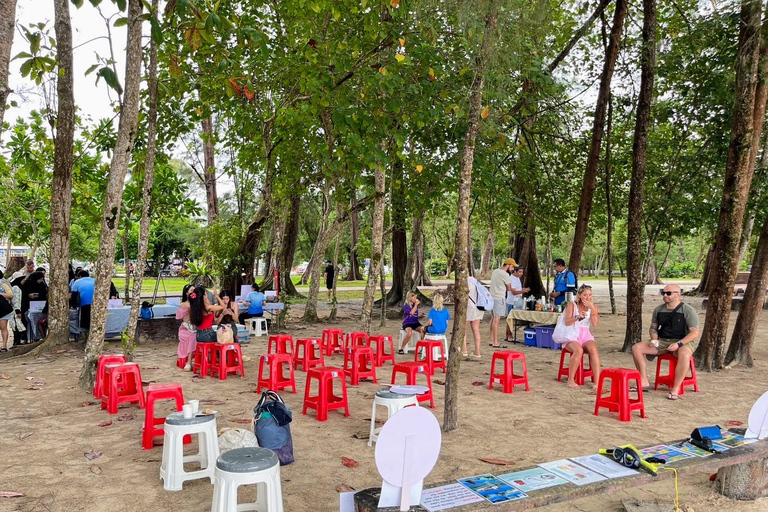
(464, 354)
(499, 346)
(674, 397)
(645, 388)
(473, 356)
(400, 351)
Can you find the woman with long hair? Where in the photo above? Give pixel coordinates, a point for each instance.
(229, 314)
(187, 330)
(582, 313)
(202, 313)
(7, 292)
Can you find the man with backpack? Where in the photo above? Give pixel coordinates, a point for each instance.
(565, 281)
(500, 285)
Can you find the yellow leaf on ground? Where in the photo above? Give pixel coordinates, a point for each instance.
(419, 168)
(399, 57)
(485, 113)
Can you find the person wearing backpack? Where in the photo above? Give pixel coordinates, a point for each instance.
(474, 315)
(565, 281)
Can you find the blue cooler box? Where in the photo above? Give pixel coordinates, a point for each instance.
(529, 335)
(544, 337)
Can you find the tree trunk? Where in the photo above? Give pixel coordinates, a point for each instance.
(652, 274)
(383, 303)
(470, 256)
(451, 414)
(7, 26)
(127, 280)
(377, 248)
(212, 199)
(740, 348)
(525, 253)
(323, 227)
(126, 133)
(61, 187)
(746, 235)
(354, 265)
(316, 267)
(399, 241)
(288, 248)
(334, 302)
(485, 261)
(706, 274)
(146, 196)
(593, 159)
(420, 273)
(417, 224)
(748, 115)
(608, 207)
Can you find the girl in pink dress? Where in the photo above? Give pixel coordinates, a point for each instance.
(583, 313)
(187, 331)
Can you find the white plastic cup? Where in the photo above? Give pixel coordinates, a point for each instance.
(187, 411)
(195, 406)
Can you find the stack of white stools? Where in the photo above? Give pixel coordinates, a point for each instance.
(393, 402)
(244, 466)
(258, 326)
(172, 467)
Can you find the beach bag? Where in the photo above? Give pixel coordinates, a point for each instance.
(272, 426)
(224, 335)
(206, 336)
(484, 300)
(146, 312)
(565, 333)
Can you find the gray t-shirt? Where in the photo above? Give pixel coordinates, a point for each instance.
(499, 282)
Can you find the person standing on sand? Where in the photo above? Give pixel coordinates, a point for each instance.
(674, 330)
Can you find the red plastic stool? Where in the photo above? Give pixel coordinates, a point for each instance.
(359, 364)
(619, 399)
(181, 362)
(282, 342)
(355, 339)
(227, 359)
(305, 353)
(203, 358)
(325, 400)
(669, 378)
(378, 343)
(332, 341)
(275, 379)
(581, 372)
(157, 392)
(122, 384)
(507, 377)
(98, 386)
(429, 347)
(411, 370)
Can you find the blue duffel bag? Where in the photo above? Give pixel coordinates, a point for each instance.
(272, 426)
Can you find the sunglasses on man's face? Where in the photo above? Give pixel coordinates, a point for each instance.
(667, 293)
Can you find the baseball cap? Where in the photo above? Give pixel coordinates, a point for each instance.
(510, 261)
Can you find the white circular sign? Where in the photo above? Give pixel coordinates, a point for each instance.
(423, 431)
(758, 417)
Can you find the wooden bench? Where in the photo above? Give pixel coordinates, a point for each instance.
(742, 473)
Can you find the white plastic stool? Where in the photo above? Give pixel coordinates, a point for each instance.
(172, 467)
(393, 402)
(259, 326)
(244, 466)
(436, 351)
(415, 337)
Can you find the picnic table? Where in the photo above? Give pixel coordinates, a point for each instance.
(525, 316)
(117, 318)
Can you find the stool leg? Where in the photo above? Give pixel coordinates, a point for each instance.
(275, 491)
(373, 423)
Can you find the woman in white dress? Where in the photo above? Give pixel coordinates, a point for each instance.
(474, 317)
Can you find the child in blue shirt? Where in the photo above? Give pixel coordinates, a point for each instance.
(437, 319)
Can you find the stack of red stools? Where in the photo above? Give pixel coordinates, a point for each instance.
(507, 377)
(355, 339)
(226, 359)
(121, 384)
(181, 362)
(156, 392)
(359, 364)
(332, 341)
(275, 379)
(325, 400)
(380, 341)
(581, 373)
(429, 347)
(305, 353)
(668, 379)
(411, 370)
(203, 358)
(282, 343)
(104, 360)
(619, 399)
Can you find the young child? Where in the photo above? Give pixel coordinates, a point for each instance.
(410, 319)
(437, 319)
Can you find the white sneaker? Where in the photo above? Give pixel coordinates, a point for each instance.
(188, 368)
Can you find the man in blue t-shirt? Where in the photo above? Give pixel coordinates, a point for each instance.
(84, 286)
(565, 281)
(255, 302)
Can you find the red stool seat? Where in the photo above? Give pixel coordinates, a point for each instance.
(332, 341)
(581, 373)
(619, 399)
(359, 364)
(668, 379)
(203, 358)
(507, 377)
(305, 355)
(104, 360)
(325, 400)
(355, 339)
(378, 343)
(275, 378)
(227, 359)
(281, 342)
(122, 384)
(411, 370)
(156, 392)
(429, 347)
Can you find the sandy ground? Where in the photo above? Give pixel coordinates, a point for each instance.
(48, 426)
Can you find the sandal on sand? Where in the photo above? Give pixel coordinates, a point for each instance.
(499, 346)
(674, 397)
(473, 356)
(645, 388)
(400, 351)
(464, 354)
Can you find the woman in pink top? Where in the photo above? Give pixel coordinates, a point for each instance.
(187, 330)
(583, 313)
